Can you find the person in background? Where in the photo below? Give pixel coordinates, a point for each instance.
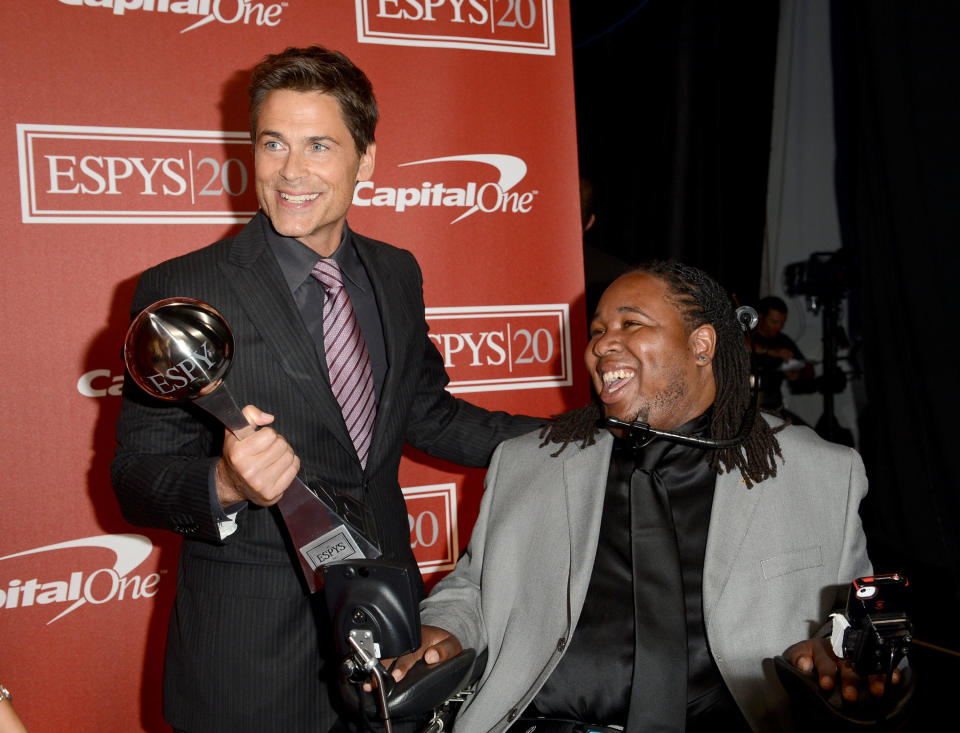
(776, 357)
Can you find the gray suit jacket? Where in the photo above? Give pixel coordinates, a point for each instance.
(775, 553)
(248, 648)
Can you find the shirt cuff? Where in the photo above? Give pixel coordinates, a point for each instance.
(226, 518)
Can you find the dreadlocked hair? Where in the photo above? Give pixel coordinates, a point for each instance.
(582, 425)
(700, 299)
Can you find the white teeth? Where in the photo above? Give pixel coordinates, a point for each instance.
(299, 199)
(614, 376)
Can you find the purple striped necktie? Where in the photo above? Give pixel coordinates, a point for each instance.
(348, 362)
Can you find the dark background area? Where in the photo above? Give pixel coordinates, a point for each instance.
(674, 109)
(674, 106)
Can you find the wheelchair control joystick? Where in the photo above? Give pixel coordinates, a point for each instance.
(374, 609)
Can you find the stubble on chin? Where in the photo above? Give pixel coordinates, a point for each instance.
(664, 402)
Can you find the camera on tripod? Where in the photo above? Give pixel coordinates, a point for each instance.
(821, 277)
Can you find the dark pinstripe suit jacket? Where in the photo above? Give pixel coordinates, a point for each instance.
(246, 648)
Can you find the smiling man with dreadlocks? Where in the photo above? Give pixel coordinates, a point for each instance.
(700, 300)
(620, 582)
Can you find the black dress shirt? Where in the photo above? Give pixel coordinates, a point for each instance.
(592, 683)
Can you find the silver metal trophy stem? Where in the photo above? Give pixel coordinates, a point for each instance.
(181, 349)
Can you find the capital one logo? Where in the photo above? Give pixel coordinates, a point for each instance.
(72, 174)
(467, 197)
(225, 12)
(505, 26)
(115, 582)
(100, 383)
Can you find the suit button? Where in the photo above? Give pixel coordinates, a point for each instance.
(512, 714)
(561, 643)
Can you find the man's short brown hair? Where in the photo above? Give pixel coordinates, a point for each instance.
(318, 69)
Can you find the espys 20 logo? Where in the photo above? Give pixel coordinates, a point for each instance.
(116, 582)
(495, 348)
(74, 174)
(506, 26)
(226, 12)
(432, 516)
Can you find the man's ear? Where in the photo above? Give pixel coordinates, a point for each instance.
(703, 344)
(367, 160)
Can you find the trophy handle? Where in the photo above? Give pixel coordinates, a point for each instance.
(219, 402)
(320, 534)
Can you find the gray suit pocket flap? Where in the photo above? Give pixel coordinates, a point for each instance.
(789, 562)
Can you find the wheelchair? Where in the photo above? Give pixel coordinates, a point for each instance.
(374, 610)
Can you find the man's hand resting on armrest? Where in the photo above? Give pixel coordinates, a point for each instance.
(437, 645)
(817, 654)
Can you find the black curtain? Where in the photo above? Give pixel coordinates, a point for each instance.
(897, 76)
(674, 103)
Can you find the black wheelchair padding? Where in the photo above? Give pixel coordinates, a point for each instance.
(424, 688)
(376, 596)
(828, 711)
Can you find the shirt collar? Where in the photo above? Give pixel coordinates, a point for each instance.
(297, 260)
(661, 451)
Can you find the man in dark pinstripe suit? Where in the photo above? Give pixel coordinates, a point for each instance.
(248, 646)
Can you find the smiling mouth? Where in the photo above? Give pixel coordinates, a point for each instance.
(614, 380)
(301, 199)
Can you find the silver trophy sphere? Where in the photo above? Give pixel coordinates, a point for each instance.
(178, 349)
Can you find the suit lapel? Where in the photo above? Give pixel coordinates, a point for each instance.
(734, 507)
(254, 275)
(585, 481)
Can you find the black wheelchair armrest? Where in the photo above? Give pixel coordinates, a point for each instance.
(427, 686)
(827, 710)
(423, 689)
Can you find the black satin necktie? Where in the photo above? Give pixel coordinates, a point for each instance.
(659, 694)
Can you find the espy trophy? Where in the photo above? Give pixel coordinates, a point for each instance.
(181, 349)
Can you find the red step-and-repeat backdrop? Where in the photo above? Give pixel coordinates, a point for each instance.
(123, 127)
